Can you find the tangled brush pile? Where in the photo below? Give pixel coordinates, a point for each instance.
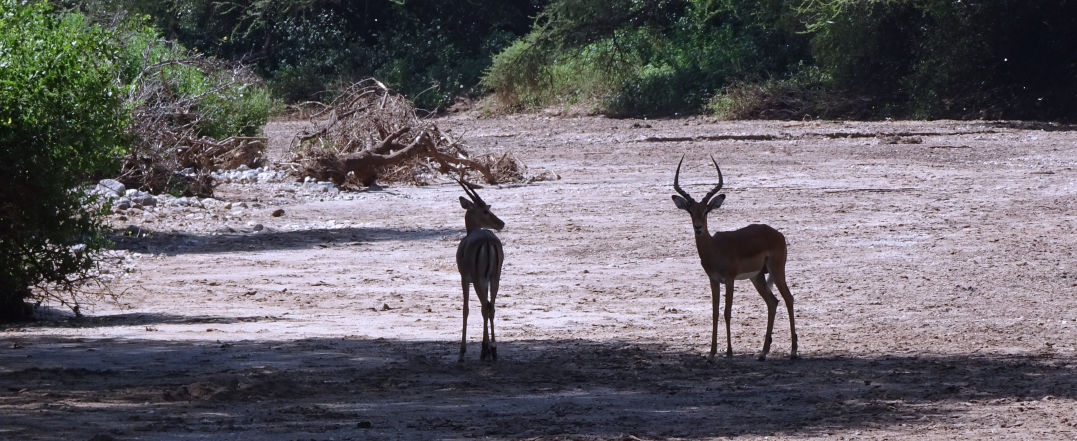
(371, 133)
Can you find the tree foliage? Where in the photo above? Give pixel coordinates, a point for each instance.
(61, 121)
(431, 50)
(939, 58)
(819, 58)
(188, 111)
(643, 57)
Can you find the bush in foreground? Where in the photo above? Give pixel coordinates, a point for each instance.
(61, 122)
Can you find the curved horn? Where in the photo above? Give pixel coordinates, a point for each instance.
(470, 191)
(707, 198)
(677, 185)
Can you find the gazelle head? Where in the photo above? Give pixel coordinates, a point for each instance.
(698, 210)
(478, 213)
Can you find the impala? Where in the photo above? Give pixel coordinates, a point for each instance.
(752, 252)
(479, 258)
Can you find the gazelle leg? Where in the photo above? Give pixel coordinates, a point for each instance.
(493, 298)
(761, 285)
(716, 295)
(728, 314)
(482, 290)
(463, 333)
(779, 281)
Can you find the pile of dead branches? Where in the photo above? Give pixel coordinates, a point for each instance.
(168, 154)
(370, 133)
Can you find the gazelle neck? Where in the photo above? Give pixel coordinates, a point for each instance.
(706, 243)
(711, 247)
(470, 224)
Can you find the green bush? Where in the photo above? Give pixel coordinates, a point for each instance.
(432, 51)
(805, 94)
(644, 57)
(229, 99)
(62, 122)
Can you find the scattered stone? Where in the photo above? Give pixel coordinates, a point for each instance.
(122, 203)
(144, 199)
(323, 187)
(111, 188)
(277, 213)
(258, 227)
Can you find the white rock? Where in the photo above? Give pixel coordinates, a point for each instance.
(110, 188)
(144, 199)
(267, 176)
(121, 204)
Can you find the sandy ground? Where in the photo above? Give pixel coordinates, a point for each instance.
(932, 264)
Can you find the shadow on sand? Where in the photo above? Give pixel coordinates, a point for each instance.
(59, 318)
(375, 388)
(149, 241)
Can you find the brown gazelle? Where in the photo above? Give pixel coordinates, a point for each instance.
(479, 258)
(748, 253)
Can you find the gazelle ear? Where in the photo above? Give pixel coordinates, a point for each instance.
(716, 202)
(680, 202)
(466, 203)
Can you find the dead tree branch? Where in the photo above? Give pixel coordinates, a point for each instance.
(372, 133)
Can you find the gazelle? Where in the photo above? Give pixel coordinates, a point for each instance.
(751, 253)
(479, 257)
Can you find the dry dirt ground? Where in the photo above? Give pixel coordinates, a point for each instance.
(932, 264)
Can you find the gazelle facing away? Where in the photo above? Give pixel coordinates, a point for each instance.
(479, 259)
(751, 252)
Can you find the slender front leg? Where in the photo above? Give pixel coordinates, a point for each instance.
(716, 295)
(463, 333)
(728, 313)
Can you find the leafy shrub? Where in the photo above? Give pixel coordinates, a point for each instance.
(230, 100)
(644, 58)
(803, 95)
(62, 122)
(179, 98)
(431, 51)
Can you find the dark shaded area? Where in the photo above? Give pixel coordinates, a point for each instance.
(431, 51)
(64, 319)
(351, 387)
(1035, 125)
(172, 243)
